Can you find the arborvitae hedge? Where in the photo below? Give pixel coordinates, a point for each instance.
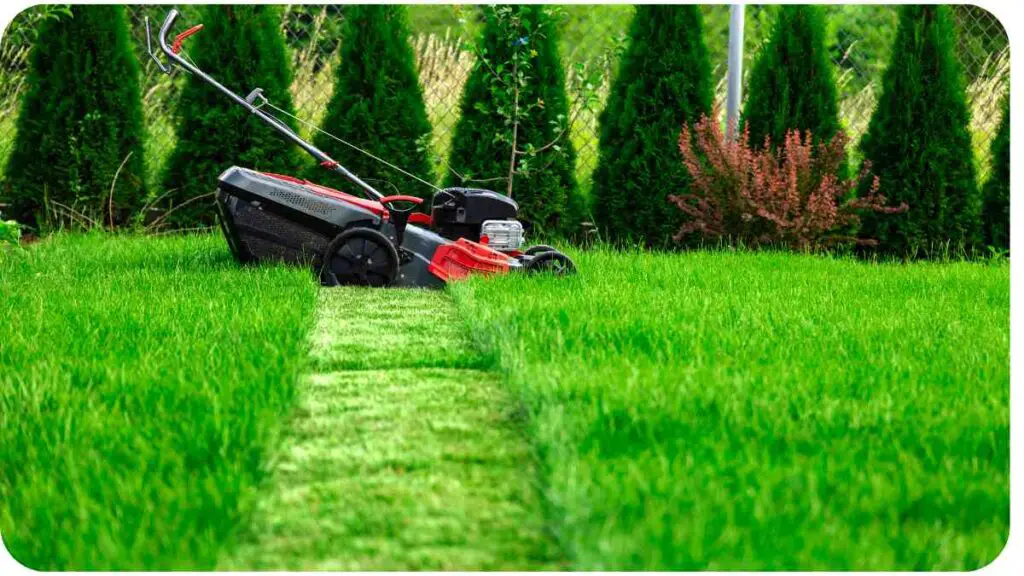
(377, 103)
(242, 47)
(80, 118)
(996, 207)
(664, 81)
(918, 141)
(791, 84)
(478, 159)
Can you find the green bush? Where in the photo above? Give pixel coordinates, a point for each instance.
(80, 119)
(918, 141)
(242, 47)
(378, 103)
(996, 194)
(515, 96)
(10, 231)
(791, 85)
(664, 81)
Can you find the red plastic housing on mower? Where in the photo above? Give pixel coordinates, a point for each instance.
(464, 257)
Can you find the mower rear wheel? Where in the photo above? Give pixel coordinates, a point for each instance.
(552, 262)
(359, 257)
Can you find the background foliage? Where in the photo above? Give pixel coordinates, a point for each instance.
(591, 41)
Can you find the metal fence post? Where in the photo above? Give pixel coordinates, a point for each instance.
(735, 69)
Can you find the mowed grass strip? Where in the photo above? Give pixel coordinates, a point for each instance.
(762, 411)
(141, 381)
(399, 457)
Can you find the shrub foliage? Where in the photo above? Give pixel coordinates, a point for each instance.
(996, 207)
(791, 85)
(788, 195)
(664, 81)
(242, 47)
(512, 135)
(918, 140)
(80, 123)
(377, 102)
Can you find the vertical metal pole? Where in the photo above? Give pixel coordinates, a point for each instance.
(735, 79)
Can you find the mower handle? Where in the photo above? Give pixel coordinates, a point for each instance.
(172, 53)
(413, 199)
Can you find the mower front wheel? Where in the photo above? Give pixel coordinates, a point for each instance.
(538, 249)
(359, 257)
(551, 262)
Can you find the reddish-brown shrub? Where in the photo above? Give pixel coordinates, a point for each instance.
(791, 196)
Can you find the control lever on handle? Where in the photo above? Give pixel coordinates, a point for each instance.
(176, 46)
(256, 94)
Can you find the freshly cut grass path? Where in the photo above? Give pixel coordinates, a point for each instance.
(141, 383)
(761, 411)
(402, 455)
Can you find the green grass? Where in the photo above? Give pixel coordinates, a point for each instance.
(402, 454)
(699, 410)
(761, 411)
(141, 382)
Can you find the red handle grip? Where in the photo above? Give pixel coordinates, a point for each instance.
(389, 199)
(176, 46)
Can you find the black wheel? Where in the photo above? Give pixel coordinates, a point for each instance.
(551, 262)
(359, 257)
(539, 248)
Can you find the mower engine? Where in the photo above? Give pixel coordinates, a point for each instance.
(478, 215)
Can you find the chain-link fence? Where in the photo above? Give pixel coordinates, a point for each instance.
(591, 40)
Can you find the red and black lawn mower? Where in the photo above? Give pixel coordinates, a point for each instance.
(374, 241)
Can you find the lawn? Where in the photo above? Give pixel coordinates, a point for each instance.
(161, 407)
(761, 411)
(141, 383)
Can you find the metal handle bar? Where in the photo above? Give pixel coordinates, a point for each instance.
(273, 121)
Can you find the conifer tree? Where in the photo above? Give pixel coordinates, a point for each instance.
(80, 129)
(918, 142)
(996, 206)
(791, 84)
(242, 47)
(378, 102)
(664, 81)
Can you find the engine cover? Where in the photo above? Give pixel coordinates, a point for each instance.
(459, 212)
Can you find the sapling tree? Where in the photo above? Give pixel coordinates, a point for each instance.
(513, 132)
(78, 149)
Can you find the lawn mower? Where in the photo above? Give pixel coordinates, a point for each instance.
(375, 240)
